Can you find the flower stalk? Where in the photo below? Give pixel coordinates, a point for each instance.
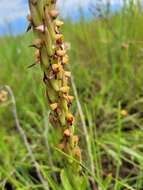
(51, 54)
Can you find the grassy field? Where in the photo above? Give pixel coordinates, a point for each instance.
(107, 68)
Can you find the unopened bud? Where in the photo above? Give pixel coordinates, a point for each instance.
(3, 96)
(67, 133)
(61, 52)
(53, 106)
(77, 153)
(61, 146)
(65, 89)
(68, 98)
(59, 23)
(68, 74)
(65, 59)
(70, 118)
(125, 45)
(56, 68)
(29, 18)
(75, 140)
(59, 37)
(124, 113)
(53, 13)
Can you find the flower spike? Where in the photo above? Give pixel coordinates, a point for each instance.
(51, 53)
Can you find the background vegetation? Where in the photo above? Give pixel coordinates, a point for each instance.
(107, 66)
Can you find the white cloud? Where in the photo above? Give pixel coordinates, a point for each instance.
(11, 10)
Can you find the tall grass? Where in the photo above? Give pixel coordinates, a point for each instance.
(106, 59)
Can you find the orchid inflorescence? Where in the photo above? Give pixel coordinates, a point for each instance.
(51, 54)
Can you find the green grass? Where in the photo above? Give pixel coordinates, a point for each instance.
(107, 66)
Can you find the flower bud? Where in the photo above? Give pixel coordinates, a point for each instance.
(77, 153)
(75, 140)
(68, 74)
(29, 18)
(61, 52)
(61, 146)
(59, 23)
(65, 59)
(65, 89)
(67, 133)
(68, 98)
(3, 96)
(59, 37)
(53, 13)
(125, 45)
(56, 68)
(124, 113)
(53, 106)
(70, 118)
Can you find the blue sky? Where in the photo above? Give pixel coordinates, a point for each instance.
(13, 12)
